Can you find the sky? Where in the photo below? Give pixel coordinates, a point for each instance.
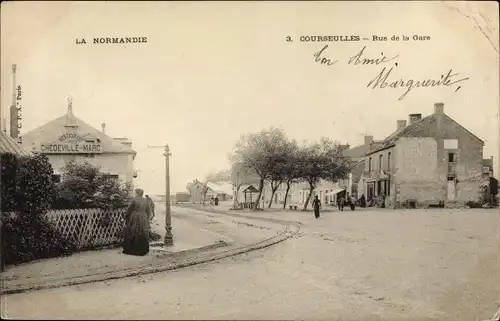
(210, 72)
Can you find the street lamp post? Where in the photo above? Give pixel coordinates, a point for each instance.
(169, 238)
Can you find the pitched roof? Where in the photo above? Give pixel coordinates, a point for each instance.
(220, 188)
(249, 188)
(405, 131)
(9, 145)
(391, 139)
(52, 130)
(362, 150)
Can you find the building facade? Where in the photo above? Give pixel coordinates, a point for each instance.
(68, 138)
(427, 161)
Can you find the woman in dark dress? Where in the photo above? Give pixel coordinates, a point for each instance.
(317, 205)
(136, 233)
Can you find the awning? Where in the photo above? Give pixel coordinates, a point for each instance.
(335, 191)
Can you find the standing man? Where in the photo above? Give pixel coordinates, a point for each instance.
(340, 202)
(317, 205)
(352, 202)
(151, 207)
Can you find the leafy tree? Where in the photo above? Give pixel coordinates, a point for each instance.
(292, 172)
(322, 160)
(85, 186)
(282, 168)
(27, 185)
(27, 193)
(260, 152)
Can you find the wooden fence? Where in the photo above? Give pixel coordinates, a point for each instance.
(90, 228)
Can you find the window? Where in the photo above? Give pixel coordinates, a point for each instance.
(380, 162)
(451, 157)
(56, 178)
(389, 161)
(111, 176)
(370, 164)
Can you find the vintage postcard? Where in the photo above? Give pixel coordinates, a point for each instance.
(301, 160)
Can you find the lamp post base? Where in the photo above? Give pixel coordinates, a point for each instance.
(169, 238)
(169, 241)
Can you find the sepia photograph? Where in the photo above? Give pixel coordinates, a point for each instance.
(250, 160)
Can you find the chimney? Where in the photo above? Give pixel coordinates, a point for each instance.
(13, 107)
(414, 117)
(368, 140)
(4, 125)
(401, 124)
(103, 125)
(438, 108)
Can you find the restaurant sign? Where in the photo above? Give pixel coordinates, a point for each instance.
(72, 143)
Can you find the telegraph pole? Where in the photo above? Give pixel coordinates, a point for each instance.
(169, 238)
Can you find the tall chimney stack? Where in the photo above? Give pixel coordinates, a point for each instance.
(368, 140)
(438, 108)
(13, 107)
(4, 125)
(400, 124)
(103, 125)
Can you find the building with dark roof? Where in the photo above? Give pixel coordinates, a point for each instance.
(425, 161)
(9, 145)
(68, 138)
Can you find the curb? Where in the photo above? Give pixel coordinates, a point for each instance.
(290, 230)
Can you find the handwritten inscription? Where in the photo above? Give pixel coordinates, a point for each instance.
(382, 81)
(322, 60)
(383, 78)
(359, 58)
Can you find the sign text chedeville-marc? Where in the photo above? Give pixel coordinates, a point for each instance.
(71, 143)
(85, 148)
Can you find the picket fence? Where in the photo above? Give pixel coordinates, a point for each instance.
(90, 228)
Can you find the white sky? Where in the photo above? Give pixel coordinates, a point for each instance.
(212, 71)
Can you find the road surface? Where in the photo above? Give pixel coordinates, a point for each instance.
(362, 265)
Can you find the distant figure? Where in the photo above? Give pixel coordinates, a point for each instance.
(362, 201)
(212, 200)
(151, 207)
(340, 203)
(317, 205)
(216, 201)
(352, 202)
(136, 233)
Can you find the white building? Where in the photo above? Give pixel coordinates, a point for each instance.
(68, 138)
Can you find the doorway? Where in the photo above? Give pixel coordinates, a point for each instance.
(451, 195)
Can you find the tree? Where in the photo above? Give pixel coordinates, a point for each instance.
(240, 175)
(293, 171)
(27, 193)
(85, 186)
(322, 160)
(260, 152)
(214, 177)
(283, 168)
